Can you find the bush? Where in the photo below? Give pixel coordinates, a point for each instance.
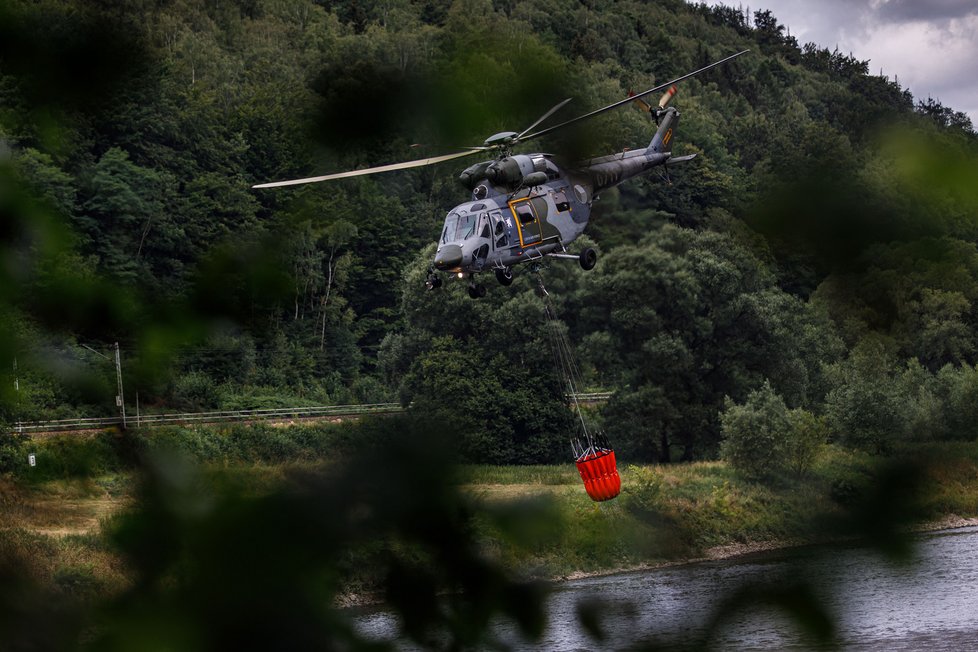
(261, 442)
(868, 406)
(756, 433)
(74, 456)
(13, 453)
(201, 444)
(958, 387)
(195, 391)
(808, 434)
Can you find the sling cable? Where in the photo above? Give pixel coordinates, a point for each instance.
(593, 455)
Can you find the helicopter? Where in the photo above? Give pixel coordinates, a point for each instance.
(526, 208)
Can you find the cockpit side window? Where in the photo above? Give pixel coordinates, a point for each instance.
(502, 238)
(466, 227)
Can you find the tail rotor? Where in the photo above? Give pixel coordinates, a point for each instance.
(667, 97)
(655, 111)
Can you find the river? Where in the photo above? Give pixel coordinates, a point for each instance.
(930, 602)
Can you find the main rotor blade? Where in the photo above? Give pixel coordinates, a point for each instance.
(375, 170)
(544, 117)
(632, 98)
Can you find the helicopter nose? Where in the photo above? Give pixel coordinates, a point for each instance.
(448, 257)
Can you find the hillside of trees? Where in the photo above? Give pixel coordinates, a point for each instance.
(815, 266)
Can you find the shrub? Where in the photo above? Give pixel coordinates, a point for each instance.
(261, 442)
(74, 456)
(958, 387)
(201, 444)
(13, 454)
(868, 406)
(756, 433)
(195, 391)
(807, 435)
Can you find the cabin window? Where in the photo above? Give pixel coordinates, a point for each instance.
(560, 199)
(499, 231)
(485, 231)
(525, 213)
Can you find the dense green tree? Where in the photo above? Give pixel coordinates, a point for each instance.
(865, 407)
(48, 182)
(956, 387)
(944, 116)
(487, 365)
(123, 211)
(697, 317)
(918, 293)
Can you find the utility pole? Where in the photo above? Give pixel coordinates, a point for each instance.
(120, 399)
(20, 412)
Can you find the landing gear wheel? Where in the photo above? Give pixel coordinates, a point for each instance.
(588, 259)
(477, 290)
(433, 282)
(504, 276)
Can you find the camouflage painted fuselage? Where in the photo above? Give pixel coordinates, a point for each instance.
(525, 206)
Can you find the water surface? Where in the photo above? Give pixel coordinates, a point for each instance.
(929, 603)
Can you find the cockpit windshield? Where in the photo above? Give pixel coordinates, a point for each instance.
(458, 226)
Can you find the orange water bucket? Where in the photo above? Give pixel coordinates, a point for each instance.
(599, 471)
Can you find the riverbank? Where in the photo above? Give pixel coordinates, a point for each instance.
(686, 513)
(737, 550)
(536, 521)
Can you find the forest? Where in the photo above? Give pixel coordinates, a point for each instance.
(811, 277)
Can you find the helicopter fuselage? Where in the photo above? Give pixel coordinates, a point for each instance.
(501, 227)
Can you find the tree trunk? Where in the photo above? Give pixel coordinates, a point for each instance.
(665, 457)
(329, 287)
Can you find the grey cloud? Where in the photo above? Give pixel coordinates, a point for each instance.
(899, 11)
(916, 40)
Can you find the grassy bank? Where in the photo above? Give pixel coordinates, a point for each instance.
(685, 511)
(62, 518)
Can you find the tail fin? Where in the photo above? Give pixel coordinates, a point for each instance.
(668, 121)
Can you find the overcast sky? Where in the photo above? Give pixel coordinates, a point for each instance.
(931, 46)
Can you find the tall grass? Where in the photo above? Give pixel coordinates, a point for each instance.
(552, 475)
